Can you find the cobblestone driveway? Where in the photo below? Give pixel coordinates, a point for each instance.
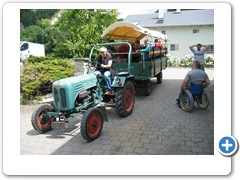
(157, 126)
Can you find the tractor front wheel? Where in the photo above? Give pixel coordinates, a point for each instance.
(92, 124)
(41, 122)
(125, 99)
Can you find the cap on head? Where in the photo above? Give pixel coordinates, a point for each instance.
(103, 49)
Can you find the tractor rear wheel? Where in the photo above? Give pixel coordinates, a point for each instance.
(41, 122)
(92, 124)
(125, 99)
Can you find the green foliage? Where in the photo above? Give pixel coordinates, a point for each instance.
(77, 30)
(31, 33)
(40, 33)
(29, 17)
(73, 34)
(187, 60)
(209, 61)
(40, 72)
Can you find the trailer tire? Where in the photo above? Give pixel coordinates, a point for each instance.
(125, 99)
(40, 121)
(147, 88)
(92, 124)
(159, 78)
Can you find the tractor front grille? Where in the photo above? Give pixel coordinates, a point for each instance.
(63, 98)
(60, 98)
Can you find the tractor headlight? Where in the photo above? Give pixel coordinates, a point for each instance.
(118, 80)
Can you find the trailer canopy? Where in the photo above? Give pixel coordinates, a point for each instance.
(130, 32)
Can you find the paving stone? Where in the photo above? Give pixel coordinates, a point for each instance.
(140, 150)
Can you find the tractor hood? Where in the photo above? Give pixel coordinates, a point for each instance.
(84, 81)
(65, 91)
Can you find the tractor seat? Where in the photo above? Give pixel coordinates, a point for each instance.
(123, 74)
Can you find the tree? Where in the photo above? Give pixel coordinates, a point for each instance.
(29, 17)
(40, 33)
(79, 29)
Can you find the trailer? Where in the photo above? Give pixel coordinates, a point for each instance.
(145, 63)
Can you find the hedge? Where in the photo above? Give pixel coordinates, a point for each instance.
(39, 73)
(187, 60)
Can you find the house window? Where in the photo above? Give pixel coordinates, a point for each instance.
(163, 31)
(195, 30)
(210, 49)
(174, 47)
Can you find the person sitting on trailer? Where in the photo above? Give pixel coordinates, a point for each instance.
(110, 48)
(124, 48)
(157, 44)
(146, 44)
(137, 45)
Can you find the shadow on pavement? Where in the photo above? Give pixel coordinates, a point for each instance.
(157, 126)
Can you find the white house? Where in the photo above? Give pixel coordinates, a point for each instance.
(183, 27)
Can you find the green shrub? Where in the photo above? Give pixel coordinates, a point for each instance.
(39, 73)
(209, 61)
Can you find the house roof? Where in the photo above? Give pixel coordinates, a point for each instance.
(182, 18)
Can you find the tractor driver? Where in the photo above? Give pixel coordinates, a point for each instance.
(104, 67)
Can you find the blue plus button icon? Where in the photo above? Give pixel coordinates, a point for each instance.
(227, 146)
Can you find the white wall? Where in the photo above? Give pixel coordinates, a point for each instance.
(185, 37)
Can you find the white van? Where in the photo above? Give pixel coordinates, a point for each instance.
(28, 48)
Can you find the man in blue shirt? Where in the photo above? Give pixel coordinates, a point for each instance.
(199, 52)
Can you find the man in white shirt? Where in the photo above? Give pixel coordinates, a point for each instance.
(199, 52)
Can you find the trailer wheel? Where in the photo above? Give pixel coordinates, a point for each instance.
(92, 124)
(125, 99)
(41, 122)
(147, 88)
(159, 78)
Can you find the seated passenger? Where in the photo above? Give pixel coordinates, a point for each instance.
(146, 44)
(137, 45)
(104, 67)
(157, 44)
(110, 48)
(124, 48)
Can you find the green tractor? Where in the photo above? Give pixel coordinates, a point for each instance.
(86, 94)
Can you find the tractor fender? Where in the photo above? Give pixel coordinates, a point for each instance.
(102, 108)
(119, 81)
